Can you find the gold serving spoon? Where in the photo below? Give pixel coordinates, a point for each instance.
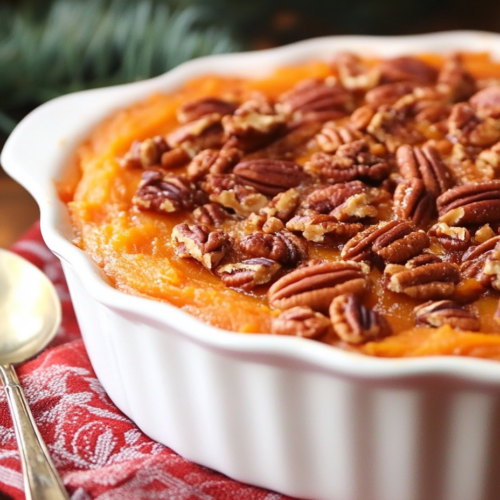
(30, 314)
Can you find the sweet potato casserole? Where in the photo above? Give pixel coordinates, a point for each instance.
(355, 202)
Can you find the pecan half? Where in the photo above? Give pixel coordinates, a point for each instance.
(407, 69)
(226, 190)
(425, 282)
(413, 202)
(466, 126)
(487, 102)
(197, 241)
(210, 214)
(352, 161)
(474, 259)
(301, 322)
(356, 324)
(388, 94)
(213, 161)
(446, 312)
(325, 199)
(144, 154)
(354, 74)
(316, 286)
(282, 206)
(454, 80)
(451, 238)
(193, 110)
(164, 193)
(491, 269)
(206, 132)
(248, 274)
(470, 204)
(424, 163)
(332, 136)
(361, 117)
(321, 228)
(357, 207)
(282, 247)
(269, 176)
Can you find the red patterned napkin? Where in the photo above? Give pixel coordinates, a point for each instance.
(98, 451)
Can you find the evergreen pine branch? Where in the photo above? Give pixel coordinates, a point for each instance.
(70, 45)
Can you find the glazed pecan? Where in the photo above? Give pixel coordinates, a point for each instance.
(354, 323)
(197, 241)
(351, 161)
(446, 312)
(282, 206)
(145, 154)
(273, 225)
(466, 126)
(332, 136)
(491, 269)
(198, 108)
(424, 282)
(269, 176)
(175, 158)
(422, 260)
(316, 286)
(454, 80)
(424, 163)
(283, 247)
(213, 161)
(474, 259)
(354, 74)
(226, 190)
(206, 132)
(356, 208)
(470, 204)
(323, 228)
(301, 322)
(248, 274)
(388, 94)
(451, 238)
(164, 193)
(210, 214)
(325, 199)
(487, 102)
(407, 69)
(361, 117)
(413, 202)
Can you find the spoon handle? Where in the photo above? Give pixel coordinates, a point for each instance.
(41, 480)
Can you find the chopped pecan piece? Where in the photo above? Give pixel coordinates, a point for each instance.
(466, 126)
(413, 202)
(321, 228)
(204, 133)
(210, 214)
(489, 159)
(357, 207)
(425, 282)
(193, 110)
(213, 161)
(273, 225)
(145, 154)
(446, 312)
(388, 94)
(424, 163)
(454, 80)
(408, 69)
(484, 233)
(316, 286)
(423, 260)
(356, 324)
(491, 269)
(164, 193)
(470, 204)
(282, 206)
(269, 176)
(474, 259)
(352, 161)
(301, 322)
(282, 247)
(197, 241)
(487, 102)
(249, 273)
(451, 238)
(227, 191)
(354, 74)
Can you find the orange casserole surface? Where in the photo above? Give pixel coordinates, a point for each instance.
(134, 245)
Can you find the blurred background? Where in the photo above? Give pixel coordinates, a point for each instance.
(52, 47)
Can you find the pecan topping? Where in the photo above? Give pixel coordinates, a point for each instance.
(272, 225)
(474, 260)
(454, 80)
(361, 117)
(451, 238)
(356, 324)
(269, 176)
(206, 132)
(316, 286)
(227, 191)
(282, 247)
(354, 74)
(145, 154)
(164, 193)
(324, 200)
(388, 94)
(318, 228)
(424, 163)
(487, 102)
(282, 206)
(484, 233)
(352, 161)
(198, 108)
(470, 204)
(424, 282)
(197, 241)
(331, 137)
(249, 273)
(423, 260)
(213, 161)
(301, 322)
(407, 69)
(355, 208)
(491, 269)
(413, 202)
(446, 312)
(465, 125)
(489, 159)
(210, 214)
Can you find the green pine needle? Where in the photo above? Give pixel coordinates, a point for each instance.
(71, 45)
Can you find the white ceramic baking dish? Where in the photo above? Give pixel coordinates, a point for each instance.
(289, 414)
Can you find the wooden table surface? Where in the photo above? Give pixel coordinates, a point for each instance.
(18, 210)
